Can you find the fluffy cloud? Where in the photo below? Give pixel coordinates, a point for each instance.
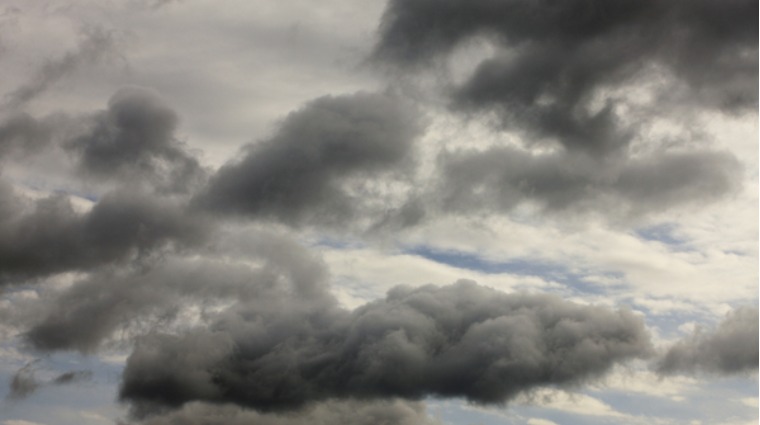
(49, 236)
(300, 174)
(134, 139)
(730, 348)
(462, 340)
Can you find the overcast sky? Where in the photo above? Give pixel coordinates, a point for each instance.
(443, 212)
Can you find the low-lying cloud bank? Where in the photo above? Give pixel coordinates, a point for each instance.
(463, 340)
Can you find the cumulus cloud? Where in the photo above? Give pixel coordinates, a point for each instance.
(332, 412)
(557, 54)
(134, 139)
(730, 348)
(48, 236)
(92, 310)
(301, 173)
(462, 340)
(562, 78)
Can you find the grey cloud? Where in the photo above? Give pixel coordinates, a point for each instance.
(21, 133)
(48, 236)
(96, 45)
(501, 178)
(385, 412)
(72, 377)
(462, 340)
(730, 348)
(117, 302)
(24, 383)
(135, 139)
(556, 56)
(300, 173)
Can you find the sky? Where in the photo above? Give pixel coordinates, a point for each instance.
(419, 212)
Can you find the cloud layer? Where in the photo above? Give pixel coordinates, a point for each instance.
(463, 340)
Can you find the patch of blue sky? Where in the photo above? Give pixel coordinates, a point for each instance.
(710, 400)
(577, 280)
(325, 241)
(665, 233)
(59, 401)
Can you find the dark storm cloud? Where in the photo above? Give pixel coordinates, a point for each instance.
(300, 173)
(462, 340)
(134, 139)
(92, 310)
(557, 56)
(383, 412)
(501, 178)
(47, 236)
(730, 348)
(96, 45)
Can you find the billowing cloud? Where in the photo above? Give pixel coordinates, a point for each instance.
(89, 312)
(47, 236)
(462, 340)
(730, 348)
(332, 412)
(554, 58)
(301, 173)
(564, 77)
(134, 139)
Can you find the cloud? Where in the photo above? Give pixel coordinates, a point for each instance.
(556, 54)
(96, 45)
(301, 173)
(731, 348)
(47, 236)
(502, 178)
(127, 300)
(24, 382)
(134, 139)
(332, 412)
(463, 340)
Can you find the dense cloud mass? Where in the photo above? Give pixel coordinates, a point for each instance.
(300, 173)
(557, 54)
(89, 312)
(392, 412)
(49, 236)
(557, 77)
(462, 340)
(730, 348)
(589, 171)
(134, 139)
